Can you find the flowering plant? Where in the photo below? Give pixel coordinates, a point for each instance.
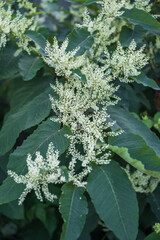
(80, 133)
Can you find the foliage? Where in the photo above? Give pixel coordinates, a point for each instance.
(80, 119)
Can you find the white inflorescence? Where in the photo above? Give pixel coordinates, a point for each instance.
(127, 63)
(82, 103)
(40, 173)
(62, 61)
(16, 25)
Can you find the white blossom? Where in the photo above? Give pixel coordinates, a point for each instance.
(60, 59)
(15, 24)
(40, 173)
(129, 62)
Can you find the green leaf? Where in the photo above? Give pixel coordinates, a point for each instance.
(128, 34)
(8, 62)
(47, 132)
(35, 231)
(91, 223)
(88, 2)
(27, 92)
(27, 116)
(145, 155)
(153, 236)
(130, 124)
(80, 75)
(29, 65)
(37, 38)
(80, 37)
(12, 210)
(154, 201)
(112, 195)
(140, 156)
(143, 18)
(146, 81)
(73, 207)
(10, 191)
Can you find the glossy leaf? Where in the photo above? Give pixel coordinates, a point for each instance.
(154, 200)
(145, 19)
(130, 124)
(47, 132)
(27, 116)
(37, 38)
(133, 149)
(128, 34)
(12, 210)
(29, 65)
(8, 62)
(114, 200)
(73, 207)
(153, 236)
(80, 37)
(146, 81)
(88, 2)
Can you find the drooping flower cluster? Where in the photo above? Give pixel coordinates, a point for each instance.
(16, 25)
(40, 173)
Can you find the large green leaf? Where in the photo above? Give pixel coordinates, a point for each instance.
(154, 200)
(47, 132)
(73, 207)
(24, 117)
(146, 81)
(37, 38)
(8, 62)
(80, 37)
(133, 149)
(128, 34)
(153, 236)
(27, 92)
(29, 65)
(12, 210)
(114, 200)
(138, 16)
(130, 124)
(138, 145)
(88, 2)
(91, 223)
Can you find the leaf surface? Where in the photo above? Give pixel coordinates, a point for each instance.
(27, 116)
(114, 200)
(73, 207)
(79, 37)
(143, 18)
(47, 132)
(29, 65)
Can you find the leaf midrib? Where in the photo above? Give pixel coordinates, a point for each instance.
(70, 210)
(116, 200)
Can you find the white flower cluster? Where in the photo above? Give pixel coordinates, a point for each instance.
(145, 5)
(27, 5)
(142, 182)
(40, 173)
(128, 62)
(62, 61)
(107, 26)
(16, 26)
(82, 103)
(82, 106)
